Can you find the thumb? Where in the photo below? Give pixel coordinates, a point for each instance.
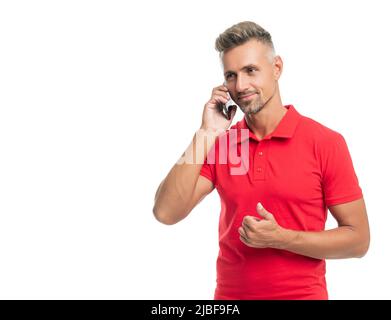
(263, 213)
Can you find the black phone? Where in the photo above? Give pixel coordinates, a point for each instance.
(225, 108)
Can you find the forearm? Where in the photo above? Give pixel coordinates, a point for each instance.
(338, 243)
(174, 194)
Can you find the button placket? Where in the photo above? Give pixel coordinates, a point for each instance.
(260, 161)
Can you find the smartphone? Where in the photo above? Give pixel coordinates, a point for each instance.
(225, 108)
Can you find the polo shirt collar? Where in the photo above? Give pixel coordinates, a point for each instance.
(285, 129)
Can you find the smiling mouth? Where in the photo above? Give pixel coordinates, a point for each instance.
(246, 97)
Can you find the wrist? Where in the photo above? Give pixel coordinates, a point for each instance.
(210, 130)
(287, 239)
(203, 141)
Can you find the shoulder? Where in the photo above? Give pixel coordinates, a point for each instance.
(329, 146)
(317, 132)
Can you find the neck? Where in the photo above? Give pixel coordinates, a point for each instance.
(267, 119)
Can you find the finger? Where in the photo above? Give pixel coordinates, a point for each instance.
(268, 216)
(247, 223)
(222, 94)
(219, 99)
(243, 239)
(263, 213)
(222, 88)
(243, 232)
(246, 242)
(260, 209)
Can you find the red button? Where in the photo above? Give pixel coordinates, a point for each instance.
(259, 169)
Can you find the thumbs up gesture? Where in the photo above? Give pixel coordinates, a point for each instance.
(261, 233)
(264, 213)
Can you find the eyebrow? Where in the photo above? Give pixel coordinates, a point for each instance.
(245, 67)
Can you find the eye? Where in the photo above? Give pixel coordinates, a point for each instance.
(229, 76)
(250, 69)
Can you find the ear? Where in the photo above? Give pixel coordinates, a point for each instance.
(278, 66)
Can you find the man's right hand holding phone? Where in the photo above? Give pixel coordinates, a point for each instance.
(183, 187)
(213, 118)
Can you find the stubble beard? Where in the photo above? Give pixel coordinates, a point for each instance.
(256, 105)
(252, 107)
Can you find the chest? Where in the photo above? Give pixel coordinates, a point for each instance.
(272, 170)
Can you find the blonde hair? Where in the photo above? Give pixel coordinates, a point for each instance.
(242, 32)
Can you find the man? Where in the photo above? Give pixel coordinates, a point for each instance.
(273, 212)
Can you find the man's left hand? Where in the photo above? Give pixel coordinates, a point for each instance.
(262, 233)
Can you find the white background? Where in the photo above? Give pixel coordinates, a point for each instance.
(98, 99)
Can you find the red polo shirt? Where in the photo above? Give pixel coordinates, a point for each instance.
(296, 172)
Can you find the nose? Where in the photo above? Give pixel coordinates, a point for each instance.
(241, 84)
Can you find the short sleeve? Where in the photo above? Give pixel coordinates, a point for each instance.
(208, 169)
(339, 180)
